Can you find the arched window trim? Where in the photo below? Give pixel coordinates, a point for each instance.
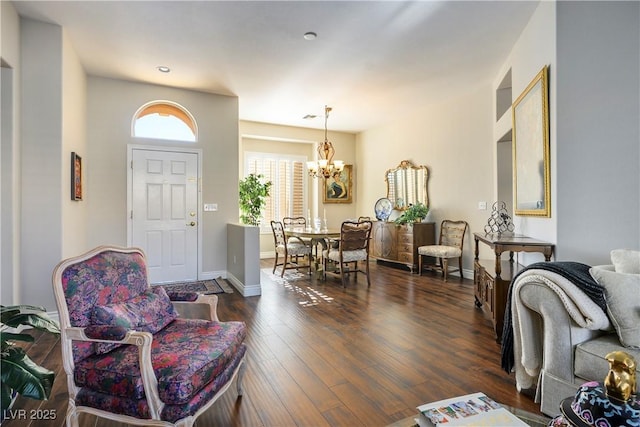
(164, 107)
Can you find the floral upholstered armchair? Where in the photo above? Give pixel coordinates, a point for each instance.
(128, 354)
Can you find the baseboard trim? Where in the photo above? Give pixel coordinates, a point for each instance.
(208, 275)
(245, 291)
(268, 254)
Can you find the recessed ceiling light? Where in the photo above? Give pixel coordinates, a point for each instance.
(310, 35)
(164, 69)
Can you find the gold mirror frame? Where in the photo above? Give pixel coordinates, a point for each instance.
(407, 185)
(531, 175)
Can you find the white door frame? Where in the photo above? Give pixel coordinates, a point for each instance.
(198, 152)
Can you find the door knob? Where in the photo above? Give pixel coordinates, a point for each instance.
(192, 223)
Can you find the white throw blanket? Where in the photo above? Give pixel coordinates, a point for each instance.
(526, 330)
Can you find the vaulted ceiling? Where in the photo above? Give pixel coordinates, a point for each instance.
(371, 61)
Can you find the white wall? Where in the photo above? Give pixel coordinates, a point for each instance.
(111, 106)
(41, 151)
(9, 154)
(592, 49)
(74, 139)
(454, 140)
(534, 49)
(243, 263)
(52, 101)
(598, 137)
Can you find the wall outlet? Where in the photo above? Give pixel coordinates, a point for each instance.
(482, 206)
(210, 207)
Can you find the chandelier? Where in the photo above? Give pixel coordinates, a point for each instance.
(325, 166)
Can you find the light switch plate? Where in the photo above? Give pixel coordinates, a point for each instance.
(210, 207)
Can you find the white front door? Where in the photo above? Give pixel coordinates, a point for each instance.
(165, 213)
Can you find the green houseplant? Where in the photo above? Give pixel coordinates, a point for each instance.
(254, 191)
(20, 374)
(414, 213)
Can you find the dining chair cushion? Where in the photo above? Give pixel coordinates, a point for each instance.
(347, 256)
(440, 251)
(148, 312)
(294, 249)
(183, 367)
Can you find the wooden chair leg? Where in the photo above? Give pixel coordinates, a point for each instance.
(445, 267)
(275, 264)
(460, 265)
(343, 275)
(420, 264)
(367, 273)
(324, 268)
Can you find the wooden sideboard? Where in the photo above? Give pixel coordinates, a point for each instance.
(491, 278)
(400, 243)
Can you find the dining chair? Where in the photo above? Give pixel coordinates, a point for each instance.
(352, 248)
(449, 247)
(294, 222)
(297, 222)
(291, 249)
(334, 242)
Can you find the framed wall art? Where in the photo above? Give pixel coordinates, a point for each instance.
(338, 188)
(531, 174)
(76, 176)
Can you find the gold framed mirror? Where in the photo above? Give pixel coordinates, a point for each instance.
(531, 171)
(407, 185)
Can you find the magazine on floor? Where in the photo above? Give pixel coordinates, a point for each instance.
(475, 409)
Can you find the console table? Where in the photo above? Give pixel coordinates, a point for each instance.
(491, 278)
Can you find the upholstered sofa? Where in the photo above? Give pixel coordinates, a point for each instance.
(561, 334)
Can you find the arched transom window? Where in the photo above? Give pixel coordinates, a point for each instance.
(164, 120)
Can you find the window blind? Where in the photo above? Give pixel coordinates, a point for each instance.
(288, 190)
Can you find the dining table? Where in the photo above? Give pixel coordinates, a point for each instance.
(317, 236)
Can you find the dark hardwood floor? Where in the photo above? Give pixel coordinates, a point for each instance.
(321, 355)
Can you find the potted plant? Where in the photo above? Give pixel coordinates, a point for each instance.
(254, 191)
(20, 374)
(414, 213)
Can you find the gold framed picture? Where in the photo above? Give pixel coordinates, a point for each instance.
(338, 188)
